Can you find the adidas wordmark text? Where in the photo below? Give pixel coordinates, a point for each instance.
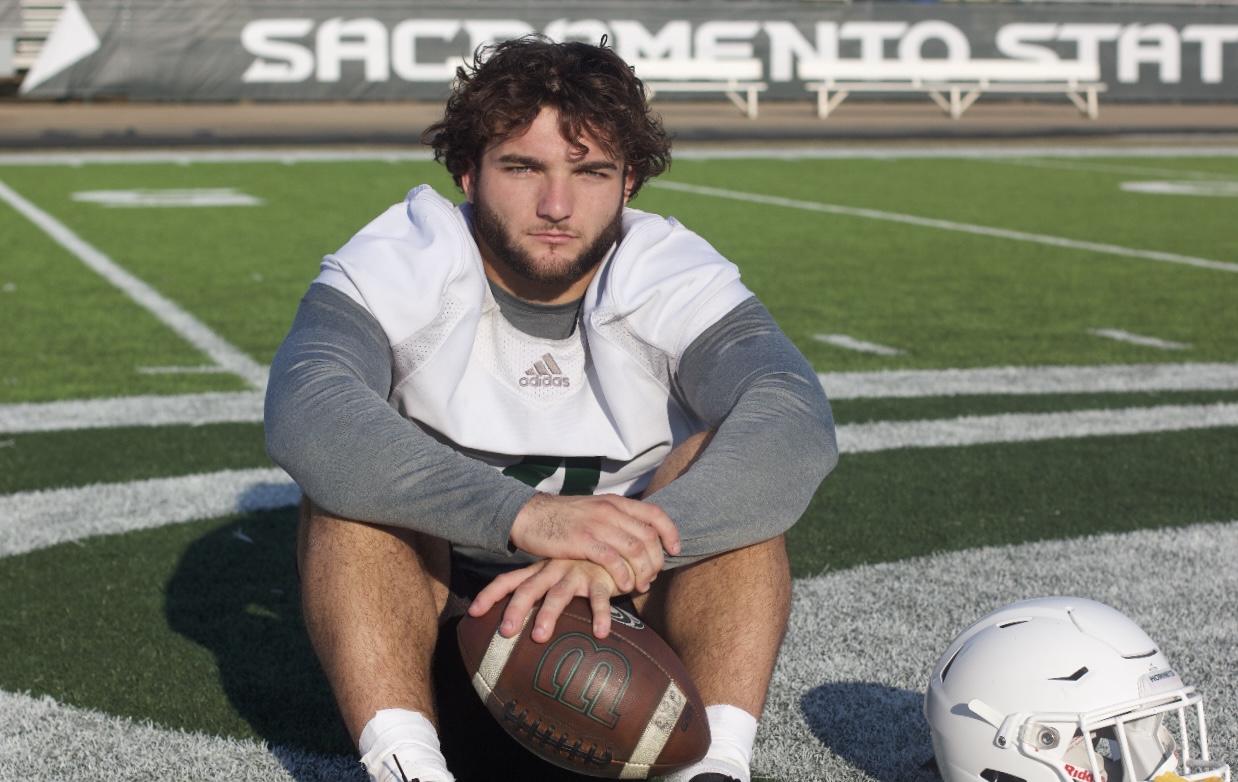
(543, 373)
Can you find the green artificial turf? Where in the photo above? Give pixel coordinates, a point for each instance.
(950, 299)
(891, 505)
(194, 626)
(65, 333)
(854, 411)
(197, 625)
(243, 269)
(1084, 204)
(947, 299)
(76, 458)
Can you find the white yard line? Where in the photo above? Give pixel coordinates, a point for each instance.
(1177, 574)
(1031, 427)
(185, 158)
(204, 369)
(848, 342)
(1194, 188)
(1119, 335)
(168, 198)
(35, 519)
(693, 152)
(1104, 168)
(182, 322)
(190, 409)
(850, 674)
(968, 152)
(43, 739)
(246, 406)
(1115, 379)
(861, 642)
(38, 519)
(948, 225)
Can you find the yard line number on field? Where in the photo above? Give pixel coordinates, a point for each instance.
(947, 225)
(179, 320)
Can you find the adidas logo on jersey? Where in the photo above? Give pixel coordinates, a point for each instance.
(545, 373)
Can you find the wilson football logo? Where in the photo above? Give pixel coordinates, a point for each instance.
(617, 614)
(583, 676)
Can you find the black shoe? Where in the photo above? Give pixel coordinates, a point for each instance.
(713, 777)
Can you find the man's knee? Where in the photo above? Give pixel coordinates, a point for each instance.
(679, 460)
(325, 540)
(755, 575)
(751, 566)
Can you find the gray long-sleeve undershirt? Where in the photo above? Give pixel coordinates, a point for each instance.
(329, 425)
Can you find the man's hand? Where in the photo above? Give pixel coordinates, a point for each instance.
(555, 582)
(626, 537)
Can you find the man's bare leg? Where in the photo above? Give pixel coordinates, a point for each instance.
(725, 616)
(371, 597)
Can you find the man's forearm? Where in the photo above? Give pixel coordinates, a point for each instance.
(774, 439)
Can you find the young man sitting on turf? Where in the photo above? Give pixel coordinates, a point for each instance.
(544, 394)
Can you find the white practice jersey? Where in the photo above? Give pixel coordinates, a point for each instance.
(593, 413)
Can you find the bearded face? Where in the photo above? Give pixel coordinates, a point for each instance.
(546, 210)
(553, 267)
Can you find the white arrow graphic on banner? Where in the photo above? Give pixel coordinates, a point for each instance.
(72, 40)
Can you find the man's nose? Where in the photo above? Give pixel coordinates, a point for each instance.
(555, 203)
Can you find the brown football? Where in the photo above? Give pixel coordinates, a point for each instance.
(622, 707)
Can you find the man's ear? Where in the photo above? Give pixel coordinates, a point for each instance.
(468, 181)
(629, 181)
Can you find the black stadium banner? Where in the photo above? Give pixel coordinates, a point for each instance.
(302, 50)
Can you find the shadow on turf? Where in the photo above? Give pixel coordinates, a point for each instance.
(876, 728)
(235, 593)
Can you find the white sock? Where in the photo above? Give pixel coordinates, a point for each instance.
(733, 731)
(398, 745)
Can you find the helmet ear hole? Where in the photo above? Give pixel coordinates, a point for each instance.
(991, 775)
(946, 669)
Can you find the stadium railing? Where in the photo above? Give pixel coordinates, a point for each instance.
(953, 85)
(739, 80)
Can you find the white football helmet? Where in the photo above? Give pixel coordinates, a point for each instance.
(1062, 689)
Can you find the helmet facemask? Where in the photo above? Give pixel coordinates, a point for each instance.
(1134, 742)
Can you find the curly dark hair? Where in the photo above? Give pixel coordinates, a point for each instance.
(591, 87)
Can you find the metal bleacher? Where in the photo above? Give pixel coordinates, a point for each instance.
(33, 26)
